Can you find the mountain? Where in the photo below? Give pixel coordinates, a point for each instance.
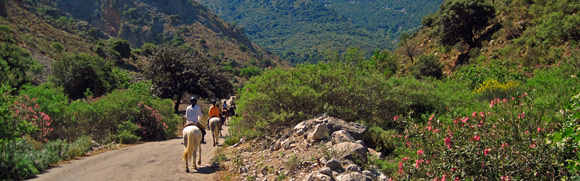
(301, 30)
(81, 25)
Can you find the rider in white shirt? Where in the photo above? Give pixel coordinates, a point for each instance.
(193, 115)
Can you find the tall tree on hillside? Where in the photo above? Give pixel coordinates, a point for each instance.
(409, 48)
(461, 20)
(174, 72)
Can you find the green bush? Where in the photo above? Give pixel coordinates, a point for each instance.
(15, 160)
(21, 160)
(100, 117)
(81, 72)
(250, 72)
(11, 127)
(428, 66)
(57, 46)
(126, 133)
(281, 98)
(123, 47)
(17, 67)
(508, 141)
(53, 102)
(148, 49)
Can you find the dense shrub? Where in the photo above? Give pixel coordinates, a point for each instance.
(251, 71)
(12, 127)
(100, 117)
(126, 133)
(507, 142)
(147, 49)
(568, 137)
(122, 47)
(17, 67)
(27, 110)
(428, 66)
(491, 89)
(499, 70)
(80, 73)
(282, 98)
(21, 160)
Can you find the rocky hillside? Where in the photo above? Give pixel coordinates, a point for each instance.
(522, 33)
(324, 148)
(79, 25)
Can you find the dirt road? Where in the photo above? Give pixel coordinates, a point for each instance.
(148, 161)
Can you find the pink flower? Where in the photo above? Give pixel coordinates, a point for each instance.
(418, 163)
(431, 118)
(533, 145)
(540, 129)
(504, 145)
(474, 114)
(505, 178)
(400, 167)
(486, 151)
(504, 100)
(443, 178)
(395, 118)
(448, 142)
(427, 161)
(476, 138)
(420, 152)
(453, 169)
(513, 98)
(405, 159)
(481, 114)
(465, 120)
(527, 132)
(436, 130)
(429, 128)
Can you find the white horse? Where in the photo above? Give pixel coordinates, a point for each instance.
(192, 143)
(215, 124)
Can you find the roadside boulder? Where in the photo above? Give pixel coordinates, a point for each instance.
(353, 176)
(350, 151)
(341, 136)
(326, 171)
(356, 130)
(334, 165)
(320, 133)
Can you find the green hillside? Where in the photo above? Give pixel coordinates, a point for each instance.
(301, 31)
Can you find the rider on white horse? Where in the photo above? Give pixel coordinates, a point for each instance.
(193, 114)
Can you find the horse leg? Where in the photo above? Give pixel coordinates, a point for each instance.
(187, 166)
(199, 148)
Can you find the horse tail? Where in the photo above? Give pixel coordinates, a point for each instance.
(188, 135)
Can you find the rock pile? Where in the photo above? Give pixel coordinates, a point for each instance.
(324, 148)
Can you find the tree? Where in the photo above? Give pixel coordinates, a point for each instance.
(81, 72)
(174, 72)
(461, 20)
(123, 47)
(147, 49)
(409, 49)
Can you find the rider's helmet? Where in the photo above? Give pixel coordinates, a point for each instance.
(193, 100)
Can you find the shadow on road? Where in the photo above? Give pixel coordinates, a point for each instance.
(204, 170)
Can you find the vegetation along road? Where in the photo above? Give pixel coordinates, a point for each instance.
(149, 161)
